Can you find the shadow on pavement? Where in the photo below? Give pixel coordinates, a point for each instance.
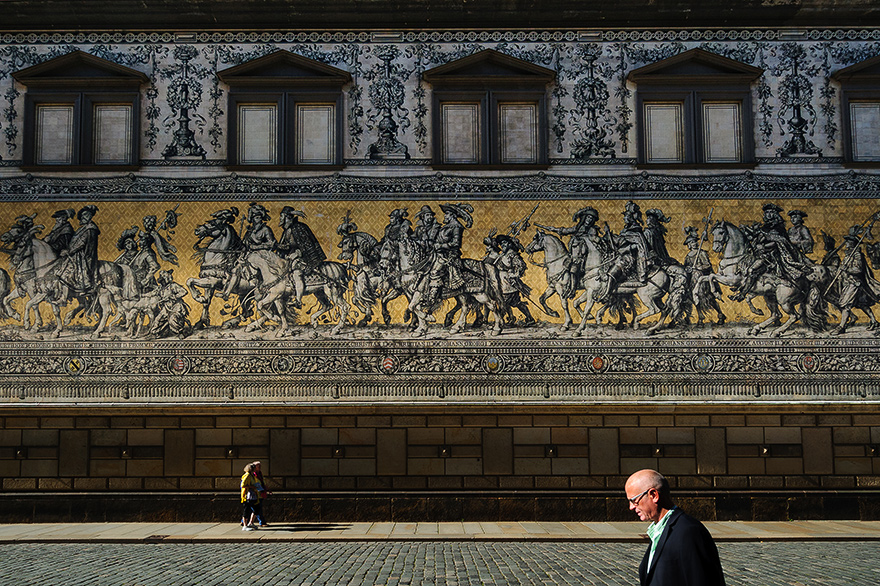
(293, 527)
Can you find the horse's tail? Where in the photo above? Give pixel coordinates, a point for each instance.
(816, 309)
(493, 285)
(130, 286)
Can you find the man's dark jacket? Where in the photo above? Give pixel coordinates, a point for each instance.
(685, 556)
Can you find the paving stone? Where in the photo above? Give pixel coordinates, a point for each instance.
(425, 563)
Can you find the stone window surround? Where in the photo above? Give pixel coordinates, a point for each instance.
(858, 83)
(692, 79)
(286, 103)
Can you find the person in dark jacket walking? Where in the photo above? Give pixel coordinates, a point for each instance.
(682, 552)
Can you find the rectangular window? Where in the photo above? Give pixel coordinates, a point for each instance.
(257, 134)
(315, 134)
(54, 134)
(519, 133)
(722, 132)
(461, 133)
(865, 130)
(112, 134)
(664, 132)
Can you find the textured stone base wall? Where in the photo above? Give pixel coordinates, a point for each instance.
(418, 462)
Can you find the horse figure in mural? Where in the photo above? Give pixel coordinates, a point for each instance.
(217, 261)
(780, 295)
(407, 267)
(371, 284)
(328, 283)
(36, 267)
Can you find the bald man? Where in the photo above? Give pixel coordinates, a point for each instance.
(682, 552)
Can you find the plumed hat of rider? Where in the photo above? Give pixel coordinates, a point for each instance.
(227, 215)
(771, 207)
(26, 221)
(257, 210)
(585, 213)
(89, 208)
(510, 241)
(65, 214)
(632, 207)
(658, 215)
(426, 209)
(291, 212)
(462, 211)
(346, 227)
(126, 235)
(398, 213)
(794, 213)
(855, 233)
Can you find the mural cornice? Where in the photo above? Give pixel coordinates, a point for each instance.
(463, 35)
(541, 185)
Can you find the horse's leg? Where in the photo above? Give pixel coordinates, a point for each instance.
(568, 322)
(869, 313)
(795, 314)
(545, 296)
(461, 322)
(56, 311)
(419, 317)
(7, 302)
(105, 303)
(338, 299)
(775, 318)
(586, 297)
(282, 318)
(450, 315)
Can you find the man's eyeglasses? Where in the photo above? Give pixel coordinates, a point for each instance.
(635, 500)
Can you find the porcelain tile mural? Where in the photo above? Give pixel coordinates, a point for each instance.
(591, 279)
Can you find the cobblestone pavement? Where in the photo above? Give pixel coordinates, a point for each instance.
(416, 564)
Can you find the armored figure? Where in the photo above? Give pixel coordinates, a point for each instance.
(446, 267)
(631, 261)
(399, 227)
(858, 287)
(299, 244)
(128, 247)
(798, 233)
(585, 228)
(427, 228)
(259, 235)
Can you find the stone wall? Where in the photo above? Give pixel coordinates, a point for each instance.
(562, 461)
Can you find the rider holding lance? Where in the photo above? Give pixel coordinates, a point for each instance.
(446, 268)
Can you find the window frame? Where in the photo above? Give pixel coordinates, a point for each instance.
(693, 124)
(696, 77)
(286, 102)
(490, 101)
(96, 82)
(491, 79)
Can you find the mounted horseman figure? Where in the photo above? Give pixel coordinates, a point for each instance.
(299, 245)
(446, 266)
(773, 252)
(257, 237)
(798, 233)
(584, 229)
(427, 228)
(631, 263)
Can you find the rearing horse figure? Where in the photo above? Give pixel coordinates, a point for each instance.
(215, 271)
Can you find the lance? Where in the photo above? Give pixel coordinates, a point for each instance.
(864, 229)
(703, 236)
